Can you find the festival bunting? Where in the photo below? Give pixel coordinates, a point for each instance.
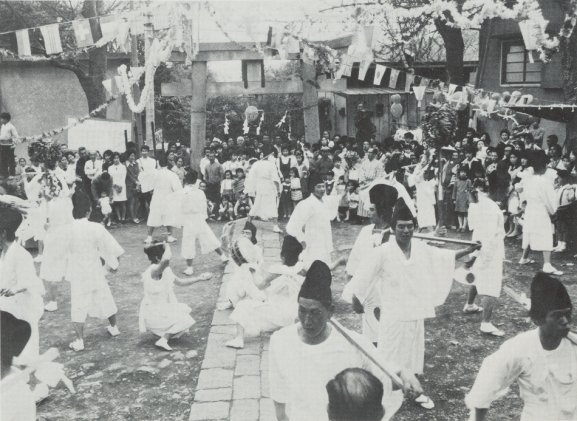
(161, 19)
(409, 81)
(108, 26)
(108, 85)
(363, 68)
(419, 93)
(452, 88)
(379, 73)
(23, 41)
(83, 33)
(51, 35)
(393, 78)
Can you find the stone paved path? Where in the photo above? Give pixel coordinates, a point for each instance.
(233, 384)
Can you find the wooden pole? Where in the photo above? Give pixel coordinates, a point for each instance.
(310, 101)
(136, 117)
(198, 113)
(126, 140)
(148, 32)
(153, 139)
(444, 239)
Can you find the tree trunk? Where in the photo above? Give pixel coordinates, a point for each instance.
(454, 52)
(568, 50)
(97, 62)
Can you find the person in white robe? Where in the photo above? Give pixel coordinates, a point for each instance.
(305, 356)
(160, 311)
(21, 289)
(542, 361)
(425, 192)
(58, 207)
(486, 220)
(383, 198)
(165, 183)
(147, 173)
(281, 288)
(264, 184)
(413, 278)
(87, 244)
(539, 193)
(310, 223)
(193, 218)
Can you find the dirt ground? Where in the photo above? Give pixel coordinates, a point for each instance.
(128, 378)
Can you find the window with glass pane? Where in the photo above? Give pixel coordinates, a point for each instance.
(516, 66)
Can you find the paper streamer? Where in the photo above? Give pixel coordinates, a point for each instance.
(379, 73)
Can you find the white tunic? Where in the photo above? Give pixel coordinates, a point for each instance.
(486, 221)
(425, 200)
(539, 193)
(194, 215)
(147, 174)
(16, 400)
(311, 215)
(300, 372)
(165, 183)
(17, 272)
(261, 182)
(547, 379)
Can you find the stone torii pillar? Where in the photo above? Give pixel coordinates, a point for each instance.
(198, 113)
(310, 101)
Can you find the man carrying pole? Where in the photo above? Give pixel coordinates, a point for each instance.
(306, 355)
(413, 278)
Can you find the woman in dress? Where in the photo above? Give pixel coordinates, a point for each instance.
(160, 311)
(118, 173)
(132, 186)
(424, 181)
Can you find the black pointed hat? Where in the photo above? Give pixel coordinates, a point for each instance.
(317, 283)
(401, 212)
(547, 294)
(250, 226)
(81, 203)
(315, 178)
(291, 249)
(383, 195)
(10, 219)
(15, 336)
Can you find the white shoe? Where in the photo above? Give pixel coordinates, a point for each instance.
(560, 247)
(170, 239)
(236, 343)
(40, 392)
(38, 259)
(472, 308)
(550, 269)
(77, 345)
(276, 229)
(148, 240)
(489, 329)
(163, 343)
(425, 402)
(225, 305)
(188, 271)
(224, 257)
(113, 330)
(51, 306)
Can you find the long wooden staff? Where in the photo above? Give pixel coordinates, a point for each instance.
(395, 379)
(445, 239)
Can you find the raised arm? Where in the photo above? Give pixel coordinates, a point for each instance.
(157, 271)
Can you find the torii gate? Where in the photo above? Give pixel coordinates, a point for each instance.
(199, 89)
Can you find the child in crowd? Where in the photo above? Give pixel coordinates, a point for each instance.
(305, 182)
(353, 196)
(209, 205)
(461, 199)
(238, 183)
(564, 216)
(226, 185)
(285, 206)
(330, 183)
(296, 190)
(178, 169)
(105, 208)
(226, 210)
(242, 206)
(338, 171)
(343, 208)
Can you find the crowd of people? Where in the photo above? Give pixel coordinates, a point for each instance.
(395, 281)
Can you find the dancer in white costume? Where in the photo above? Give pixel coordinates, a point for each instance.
(21, 289)
(383, 198)
(264, 183)
(160, 311)
(487, 222)
(542, 361)
(88, 243)
(280, 307)
(165, 183)
(311, 215)
(414, 278)
(193, 218)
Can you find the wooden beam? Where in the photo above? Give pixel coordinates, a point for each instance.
(310, 101)
(214, 89)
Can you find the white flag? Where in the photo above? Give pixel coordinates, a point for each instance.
(108, 26)
(408, 81)
(379, 73)
(51, 35)
(363, 68)
(161, 18)
(23, 40)
(393, 78)
(108, 85)
(419, 93)
(82, 33)
(452, 88)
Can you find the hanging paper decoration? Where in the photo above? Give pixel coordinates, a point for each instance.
(108, 27)
(137, 26)
(409, 81)
(526, 99)
(51, 35)
(23, 41)
(119, 84)
(452, 88)
(245, 127)
(379, 73)
(531, 32)
(82, 33)
(363, 68)
(108, 85)
(419, 93)
(122, 39)
(260, 124)
(225, 125)
(393, 78)
(282, 120)
(161, 18)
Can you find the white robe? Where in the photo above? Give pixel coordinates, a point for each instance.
(541, 200)
(16, 272)
(547, 379)
(147, 173)
(311, 215)
(486, 221)
(194, 215)
(410, 289)
(425, 199)
(165, 183)
(260, 182)
(299, 372)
